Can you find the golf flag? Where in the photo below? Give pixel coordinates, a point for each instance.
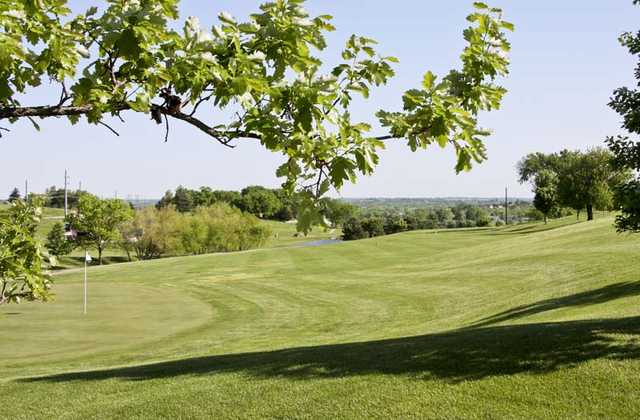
(87, 257)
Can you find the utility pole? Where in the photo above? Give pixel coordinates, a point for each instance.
(26, 189)
(506, 205)
(79, 185)
(66, 180)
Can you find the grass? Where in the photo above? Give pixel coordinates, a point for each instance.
(529, 321)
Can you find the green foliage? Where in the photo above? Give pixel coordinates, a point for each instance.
(220, 228)
(546, 192)
(98, 222)
(626, 102)
(154, 233)
(337, 212)
(22, 276)
(57, 244)
(183, 200)
(582, 179)
(131, 59)
(352, 229)
(374, 226)
(259, 201)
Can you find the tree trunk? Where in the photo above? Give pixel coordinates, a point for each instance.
(545, 219)
(589, 212)
(99, 255)
(578, 215)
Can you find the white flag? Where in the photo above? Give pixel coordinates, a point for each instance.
(87, 257)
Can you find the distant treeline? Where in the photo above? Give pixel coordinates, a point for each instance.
(370, 224)
(265, 203)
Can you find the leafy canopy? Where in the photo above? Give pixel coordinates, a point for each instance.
(626, 102)
(22, 276)
(97, 221)
(264, 72)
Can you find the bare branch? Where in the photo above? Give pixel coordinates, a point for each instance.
(222, 137)
(166, 124)
(110, 129)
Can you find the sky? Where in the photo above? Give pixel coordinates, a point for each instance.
(566, 61)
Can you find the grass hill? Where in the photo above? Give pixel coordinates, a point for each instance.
(528, 321)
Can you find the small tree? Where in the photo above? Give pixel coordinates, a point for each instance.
(57, 244)
(97, 221)
(14, 196)
(21, 260)
(546, 193)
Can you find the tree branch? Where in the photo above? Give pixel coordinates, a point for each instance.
(222, 137)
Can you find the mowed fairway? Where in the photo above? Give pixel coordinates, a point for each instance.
(531, 321)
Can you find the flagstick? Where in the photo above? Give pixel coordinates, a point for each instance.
(85, 285)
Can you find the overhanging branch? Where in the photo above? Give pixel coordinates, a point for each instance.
(223, 137)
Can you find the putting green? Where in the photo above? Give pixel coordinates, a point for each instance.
(120, 315)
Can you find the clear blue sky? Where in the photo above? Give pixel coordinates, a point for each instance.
(566, 63)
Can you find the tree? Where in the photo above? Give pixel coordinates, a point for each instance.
(259, 201)
(626, 102)
(166, 200)
(183, 200)
(133, 60)
(98, 221)
(21, 259)
(584, 180)
(546, 192)
(338, 211)
(14, 196)
(587, 180)
(627, 194)
(57, 244)
(352, 230)
(374, 225)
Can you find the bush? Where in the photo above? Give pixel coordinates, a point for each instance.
(217, 228)
(352, 230)
(374, 226)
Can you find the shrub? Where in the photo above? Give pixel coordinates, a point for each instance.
(352, 230)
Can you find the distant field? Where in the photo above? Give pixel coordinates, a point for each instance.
(529, 321)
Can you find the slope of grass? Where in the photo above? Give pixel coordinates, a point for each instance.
(535, 323)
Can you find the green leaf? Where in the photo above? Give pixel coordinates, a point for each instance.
(427, 81)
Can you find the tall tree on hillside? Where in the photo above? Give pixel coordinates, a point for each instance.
(97, 222)
(626, 102)
(133, 60)
(14, 196)
(531, 165)
(584, 180)
(587, 180)
(546, 192)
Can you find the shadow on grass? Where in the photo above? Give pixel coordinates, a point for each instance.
(528, 228)
(459, 355)
(590, 297)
